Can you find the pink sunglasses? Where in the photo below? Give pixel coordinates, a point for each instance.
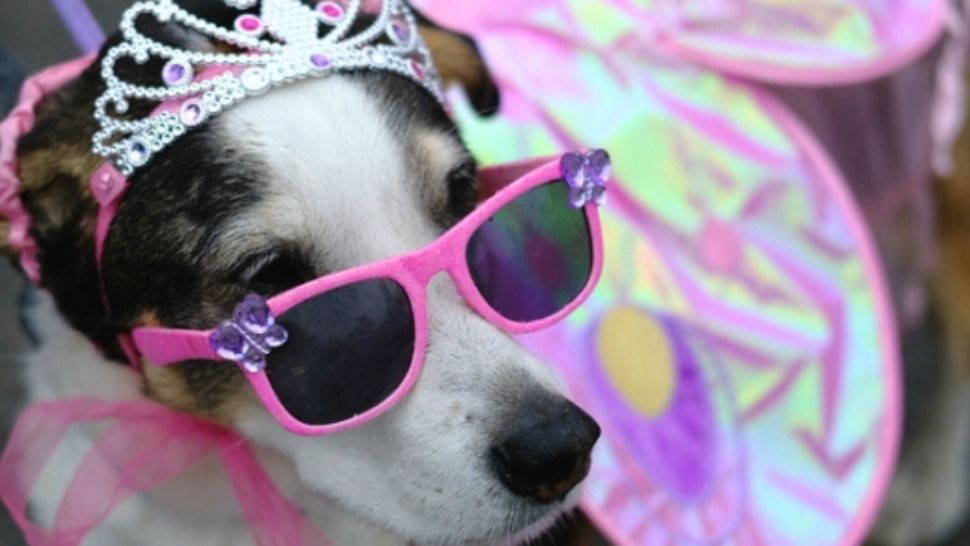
(340, 350)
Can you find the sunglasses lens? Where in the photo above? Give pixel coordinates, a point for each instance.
(534, 257)
(349, 349)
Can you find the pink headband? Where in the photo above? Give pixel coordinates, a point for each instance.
(107, 184)
(17, 124)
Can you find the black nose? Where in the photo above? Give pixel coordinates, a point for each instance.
(547, 452)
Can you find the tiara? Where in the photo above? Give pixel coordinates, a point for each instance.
(285, 42)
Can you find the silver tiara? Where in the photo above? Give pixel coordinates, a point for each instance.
(281, 44)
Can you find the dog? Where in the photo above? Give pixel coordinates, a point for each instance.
(312, 178)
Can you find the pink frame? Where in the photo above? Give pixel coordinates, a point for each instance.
(413, 271)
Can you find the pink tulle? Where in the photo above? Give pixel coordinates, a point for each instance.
(144, 446)
(949, 110)
(18, 123)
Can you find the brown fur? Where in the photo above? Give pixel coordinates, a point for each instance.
(951, 280)
(174, 387)
(458, 60)
(52, 176)
(61, 167)
(5, 249)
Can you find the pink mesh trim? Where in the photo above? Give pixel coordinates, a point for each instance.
(144, 446)
(21, 121)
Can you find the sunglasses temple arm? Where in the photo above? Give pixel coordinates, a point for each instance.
(497, 177)
(163, 347)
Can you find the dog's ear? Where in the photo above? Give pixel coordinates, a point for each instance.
(460, 61)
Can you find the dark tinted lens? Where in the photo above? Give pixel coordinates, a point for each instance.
(534, 256)
(349, 350)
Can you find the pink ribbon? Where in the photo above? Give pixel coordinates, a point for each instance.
(144, 446)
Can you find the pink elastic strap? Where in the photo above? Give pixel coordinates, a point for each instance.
(173, 346)
(144, 446)
(20, 121)
(108, 185)
(496, 177)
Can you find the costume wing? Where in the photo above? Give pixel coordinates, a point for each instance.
(739, 351)
(782, 41)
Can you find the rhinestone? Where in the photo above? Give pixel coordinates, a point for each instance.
(250, 25)
(254, 362)
(177, 72)
(330, 12)
(211, 102)
(377, 56)
(138, 152)
(193, 113)
(255, 81)
(319, 61)
(399, 31)
(241, 4)
(276, 74)
(418, 70)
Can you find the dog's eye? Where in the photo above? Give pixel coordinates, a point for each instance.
(462, 189)
(274, 273)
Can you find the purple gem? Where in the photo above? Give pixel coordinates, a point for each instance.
(399, 30)
(276, 336)
(138, 152)
(587, 175)
(177, 72)
(599, 168)
(571, 167)
(253, 315)
(249, 336)
(229, 343)
(580, 197)
(193, 113)
(320, 61)
(254, 362)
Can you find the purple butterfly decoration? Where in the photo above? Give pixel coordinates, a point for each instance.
(586, 174)
(249, 336)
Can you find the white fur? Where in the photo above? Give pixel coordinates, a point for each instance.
(340, 183)
(420, 470)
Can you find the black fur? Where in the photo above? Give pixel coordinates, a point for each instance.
(157, 257)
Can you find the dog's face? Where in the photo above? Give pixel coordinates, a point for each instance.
(310, 179)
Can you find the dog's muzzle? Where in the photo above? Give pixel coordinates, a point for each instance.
(547, 452)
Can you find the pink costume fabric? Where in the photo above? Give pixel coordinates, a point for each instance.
(143, 446)
(19, 122)
(731, 233)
